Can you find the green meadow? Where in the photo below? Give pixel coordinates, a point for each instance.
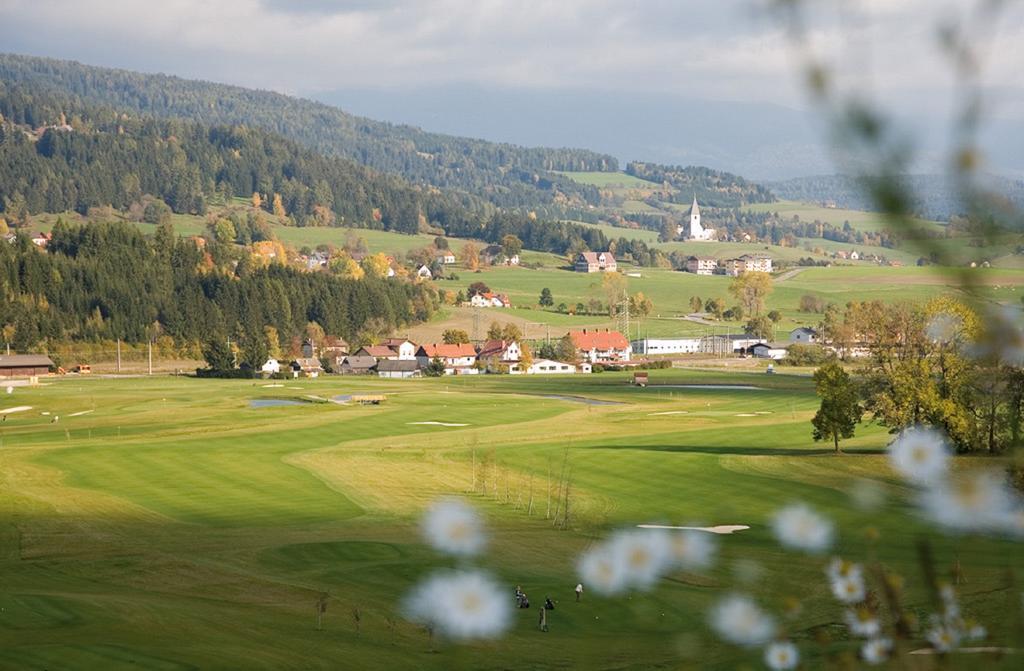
(164, 523)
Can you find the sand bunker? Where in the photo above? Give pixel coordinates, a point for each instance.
(720, 529)
(19, 408)
(80, 413)
(747, 414)
(271, 386)
(438, 423)
(669, 412)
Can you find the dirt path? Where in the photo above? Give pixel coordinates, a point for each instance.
(789, 274)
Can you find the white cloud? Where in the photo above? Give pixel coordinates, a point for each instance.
(726, 50)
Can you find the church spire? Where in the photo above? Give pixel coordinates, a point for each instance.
(694, 209)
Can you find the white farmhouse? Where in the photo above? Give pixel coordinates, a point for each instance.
(550, 367)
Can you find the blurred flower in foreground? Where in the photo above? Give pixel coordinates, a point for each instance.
(737, 619)
(781, 655)
(462, 605)
(630, 558)
(876, 650)
(863, 622)
(920, 455)
(943, 637)
(847, 581)
(1003, 339)
(943, 328)
(797, 526)
(599, 571)
(692, 549)
(978, 501)
(452, 526)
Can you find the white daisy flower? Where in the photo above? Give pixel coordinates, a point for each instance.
(462, 605)
(978, 501)
(452, 526)
(943, 638)
(643, 554)
(840, 568)
(920, 455)
(781, 655)
(798, 526)
(692, 549)
(850, 589)
(737, 619)
(876, 650)
(863, 622)
(602, 571)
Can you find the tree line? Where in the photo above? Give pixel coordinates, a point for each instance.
(107, 281)
(504, 175)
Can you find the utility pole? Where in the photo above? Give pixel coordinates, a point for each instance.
(118, 355)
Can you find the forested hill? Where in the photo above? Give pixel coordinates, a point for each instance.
(713, 188)
(506, 175)
(55, 156)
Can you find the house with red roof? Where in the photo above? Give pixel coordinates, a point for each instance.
(458, 359)
(490, 300)
(495, 354)
(378, 352)
(597, 346)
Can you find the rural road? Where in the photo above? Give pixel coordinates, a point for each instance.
(789, 274)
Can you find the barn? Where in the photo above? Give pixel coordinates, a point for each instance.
(24, 365)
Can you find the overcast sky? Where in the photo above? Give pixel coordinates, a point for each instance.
(725, 50)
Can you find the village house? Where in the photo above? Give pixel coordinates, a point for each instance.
(267, 249)
(490, 300)
(398, 369)
(405, 348)
(803, 335)
(357, 365)
(595, 262)
(458, 359)
(271, 366)
(748, 263)
(41, 240)
(651, 346)
(445, 258)
(601, 346)
(379, 352)
(307, 367)
(316, 261)
(424, 273)
(495, 255)
(550, 367)
(497, 353)
(333, 347)
(774, 351)
(701, 265)
(24, 365)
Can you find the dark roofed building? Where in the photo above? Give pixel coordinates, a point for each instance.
(24, 365)
(398, 368)
(357, 365)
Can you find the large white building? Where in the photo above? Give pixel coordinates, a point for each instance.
(651, 346)
(696, 230)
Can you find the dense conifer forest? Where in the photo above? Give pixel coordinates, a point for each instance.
(502, 174)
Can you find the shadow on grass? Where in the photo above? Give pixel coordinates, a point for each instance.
(735, 449)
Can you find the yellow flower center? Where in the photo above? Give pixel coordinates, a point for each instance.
(471, 602)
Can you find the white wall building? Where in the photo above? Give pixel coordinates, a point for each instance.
(549, 367)
(651, 346)
(803, 335)
(696, 230)
(271, 366)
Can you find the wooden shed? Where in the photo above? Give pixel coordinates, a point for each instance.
(24, 365)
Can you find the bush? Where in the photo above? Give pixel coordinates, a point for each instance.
(597, 368)
(807, 355)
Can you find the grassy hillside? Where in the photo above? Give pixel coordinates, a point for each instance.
(858, 219)
(173, 526)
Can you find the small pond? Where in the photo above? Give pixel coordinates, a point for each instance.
(273, 402)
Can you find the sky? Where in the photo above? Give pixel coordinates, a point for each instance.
(452, 65)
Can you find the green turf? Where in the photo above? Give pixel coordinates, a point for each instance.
(176, 527)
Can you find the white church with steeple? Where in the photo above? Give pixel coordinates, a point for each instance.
(696, 232)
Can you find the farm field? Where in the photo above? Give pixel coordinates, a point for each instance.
(670, 291)
(859, 219)
(174, 526)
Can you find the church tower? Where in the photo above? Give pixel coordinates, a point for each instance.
(696, 230)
